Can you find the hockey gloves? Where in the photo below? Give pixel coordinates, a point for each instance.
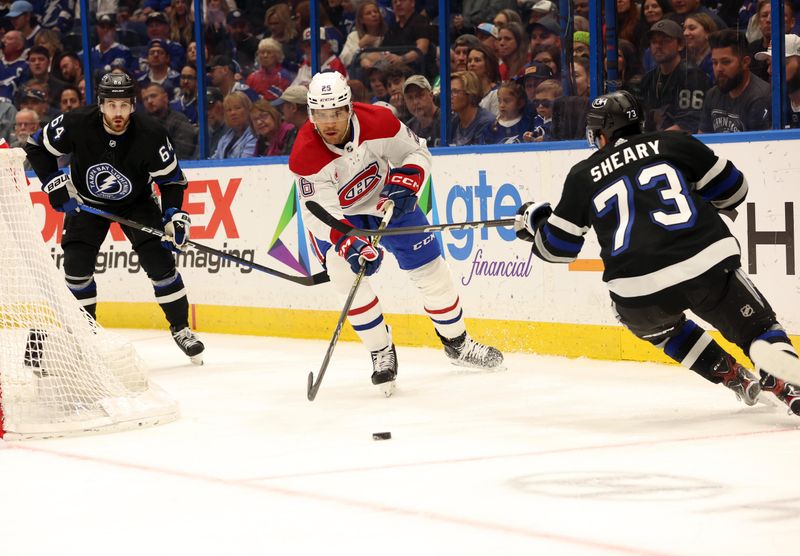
(529, 217)
(62, 194)
(356, 250)
(402, 186)
(176, 229)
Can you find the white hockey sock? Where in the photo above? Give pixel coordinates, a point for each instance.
(442, 303)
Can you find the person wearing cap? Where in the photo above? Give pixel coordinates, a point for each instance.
(792, 44)
(244, 42)
(108, 51)
(271, 78)
(461, 49)
(186, 100)
(672, 92)
(535, 73)
(13, 64)
(327, 56)
(487, 33)
(24, 20)
(580, 44)
(158, 28)
(293, 104)
(39, 65)
(158, 69)
(740, 101)
(34, 97)
(222, 72)
(215, 118)
(545, 31)
(418, 96)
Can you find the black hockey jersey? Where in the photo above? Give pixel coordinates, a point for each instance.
(652, 200)
(107, 169)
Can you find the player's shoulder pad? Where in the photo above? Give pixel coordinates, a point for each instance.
(309, 154)
(376, 122)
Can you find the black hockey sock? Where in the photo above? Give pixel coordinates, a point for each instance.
(694, 348)
(84, 289)
(171, 295)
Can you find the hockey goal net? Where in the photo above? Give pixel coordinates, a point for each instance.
(61, 374)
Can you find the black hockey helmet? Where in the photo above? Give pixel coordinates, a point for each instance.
(614, 115)
(115, 85)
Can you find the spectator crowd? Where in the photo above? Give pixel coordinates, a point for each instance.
(695, 66)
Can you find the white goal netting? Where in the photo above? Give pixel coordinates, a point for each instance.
(60, 372)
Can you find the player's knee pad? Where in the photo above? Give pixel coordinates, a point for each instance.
(434, 282)
(648, 323)
(79, 259)
(156, 261)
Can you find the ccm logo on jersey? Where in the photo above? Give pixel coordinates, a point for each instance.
(106, 182)
(360, 185)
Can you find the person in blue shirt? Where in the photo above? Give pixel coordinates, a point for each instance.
(510, 125)
(469, 120)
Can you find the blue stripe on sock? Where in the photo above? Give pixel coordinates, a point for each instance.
(373, 324)
(451, 321)
(675, 343)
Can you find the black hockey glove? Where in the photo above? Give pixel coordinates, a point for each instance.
(402, 186)
(528, 217)
(62, 194)
(176, 229)
(356, 250)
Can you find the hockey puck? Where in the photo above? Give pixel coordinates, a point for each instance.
(381, 436)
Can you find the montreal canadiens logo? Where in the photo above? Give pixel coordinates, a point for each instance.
(360, 185)
(106, 182)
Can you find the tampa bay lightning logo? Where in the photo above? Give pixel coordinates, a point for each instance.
(106, 182)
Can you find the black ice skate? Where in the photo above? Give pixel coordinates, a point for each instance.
(189, 343)
(465, 351)
(384, 365)
(786, 392)
(735, 377)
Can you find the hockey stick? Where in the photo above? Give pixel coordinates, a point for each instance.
(319, 278)
(347, 230)
(313, 386)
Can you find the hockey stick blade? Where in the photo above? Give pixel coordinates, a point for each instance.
(347, 230)
(319, 278)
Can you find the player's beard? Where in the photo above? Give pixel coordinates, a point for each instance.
(116, 125)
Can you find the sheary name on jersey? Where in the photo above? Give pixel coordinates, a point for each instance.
(628, 154)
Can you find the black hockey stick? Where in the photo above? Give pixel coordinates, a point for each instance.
(313, 386)
(319, 278)
(347, 230)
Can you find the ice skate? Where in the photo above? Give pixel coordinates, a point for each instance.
(384, 365)
(189, 343)
(786, 392)
(735, 377)
(466, 352)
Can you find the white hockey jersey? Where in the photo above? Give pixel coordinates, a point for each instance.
(348, 181)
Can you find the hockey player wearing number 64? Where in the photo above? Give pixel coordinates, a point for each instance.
(117, 156)
(351, 158)
(654, 201)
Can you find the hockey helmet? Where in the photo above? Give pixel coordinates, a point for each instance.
(613, 115)
(328, 89)
(115, 85)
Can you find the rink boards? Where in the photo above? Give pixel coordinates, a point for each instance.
(516, 301)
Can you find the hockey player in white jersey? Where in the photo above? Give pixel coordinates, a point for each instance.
(350, 158)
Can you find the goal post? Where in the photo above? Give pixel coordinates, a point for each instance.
(61, 374)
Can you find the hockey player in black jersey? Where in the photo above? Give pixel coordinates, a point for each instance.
(654, 201)
(117, 156)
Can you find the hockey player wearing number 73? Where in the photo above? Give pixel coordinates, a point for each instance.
(117, 156)
(350, 158)
(654, 201)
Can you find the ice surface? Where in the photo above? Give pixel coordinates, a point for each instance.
(549, 457)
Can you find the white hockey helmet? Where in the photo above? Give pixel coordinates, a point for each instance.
(328, 89)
